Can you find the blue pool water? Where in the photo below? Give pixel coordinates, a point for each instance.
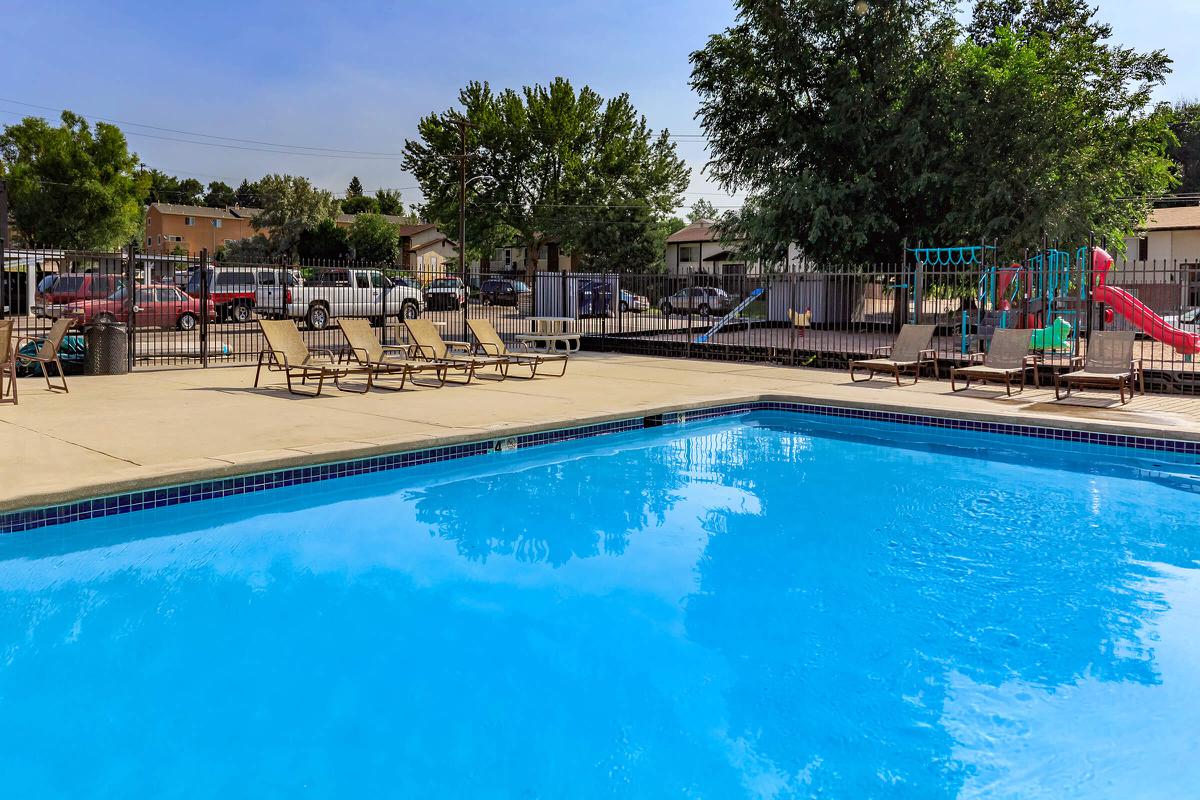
(768, 606)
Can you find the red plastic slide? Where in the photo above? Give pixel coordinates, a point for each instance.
(1137, 312)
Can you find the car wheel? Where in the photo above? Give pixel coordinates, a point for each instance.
(186, 322)
(409, 310)
(666, 309)
(105, 319)
(317, 318)
(487, 301)
(624, 307)
(240, 313)
(704, 310)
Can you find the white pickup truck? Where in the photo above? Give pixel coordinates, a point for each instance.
(339, 292)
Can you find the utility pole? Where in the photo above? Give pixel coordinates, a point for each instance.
(462, 219)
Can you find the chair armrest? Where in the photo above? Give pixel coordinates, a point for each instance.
(882, 350)
(327, 353)
(488, 348)
(464, 346)
(1078, 361)
(976, 358)
(929, 353)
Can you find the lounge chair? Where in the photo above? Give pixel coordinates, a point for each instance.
(426, 342)
(47, 351)
(489, 343)
(286, 352)
(1108, 364)
(911, 351)
(8, 362)
(380, 360)
(1007, 360)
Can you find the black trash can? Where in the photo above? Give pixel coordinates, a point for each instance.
(107, 350)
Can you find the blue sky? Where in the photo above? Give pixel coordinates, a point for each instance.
(357, 76)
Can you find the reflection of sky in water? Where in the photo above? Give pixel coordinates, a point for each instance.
(721, 609)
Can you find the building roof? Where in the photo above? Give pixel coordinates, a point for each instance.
(245, 212)
(434, 243)
(699, 231)
(1173, 219)
(406, 229)
(193, 211)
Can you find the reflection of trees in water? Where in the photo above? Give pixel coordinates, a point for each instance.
(843, 623)
(571, 509)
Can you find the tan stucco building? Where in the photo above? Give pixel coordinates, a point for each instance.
(195, 228)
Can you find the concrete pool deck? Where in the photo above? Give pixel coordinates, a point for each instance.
(157, 428)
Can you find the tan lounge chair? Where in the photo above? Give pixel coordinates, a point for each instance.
(1007, 360)
(286, 352)
(47, 352)
(380, 360)
(1109, 364)
(8, 362)
(911, 351)
(488, 342)
(429, 345)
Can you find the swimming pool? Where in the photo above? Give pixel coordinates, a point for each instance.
(768, 605)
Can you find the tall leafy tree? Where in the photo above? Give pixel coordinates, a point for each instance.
(248, 194)
(71, 185)
(219, 195)
(852, 134)
(559, 160)
(373, 238)
(325, 241)
(388, 201)
(360, 204)
(290, 206)
(1186, 153)
(702, 210)
(355, 189)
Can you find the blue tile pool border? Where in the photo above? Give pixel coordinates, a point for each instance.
(30, 519)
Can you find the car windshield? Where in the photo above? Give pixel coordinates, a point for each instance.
(1190, 316)
(520, 286)
(444, 283)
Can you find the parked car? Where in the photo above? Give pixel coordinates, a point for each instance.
(502, 292)
(411, 283)
(156, 306)
(445, 293)
(702, 300)
(1189, 320)
(339, 292)
(633, 302)
(234, 290)
(595, 298)
(76, 287)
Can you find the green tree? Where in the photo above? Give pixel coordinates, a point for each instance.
(219, 195)
(1186, 153)
(389, 202)
(248, 194)
(73, 185)
(702, 210)
(355, 188)
(360, 204)
(662, 228)
(325, 241)
(373, 238)
(851, 134)
(559, 161)
(254, 249)
(290, 206)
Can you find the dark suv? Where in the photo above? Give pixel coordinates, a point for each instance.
(498, 292)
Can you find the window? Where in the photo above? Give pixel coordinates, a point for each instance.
(420, 262)
(1143, 248)
(189, 220)
(543, 251)
(167, 296)
(687, 253)
(216, 223)
(377, 280)
(507, 257)
(362, 280)
(235, 279)
(149, 240)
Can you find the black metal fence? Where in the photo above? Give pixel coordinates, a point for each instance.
(190, 310)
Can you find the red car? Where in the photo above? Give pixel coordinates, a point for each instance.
(74, 287)
(158, 306)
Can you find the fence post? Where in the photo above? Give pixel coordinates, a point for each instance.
(131, 298)
(204, 272)
(3, 241)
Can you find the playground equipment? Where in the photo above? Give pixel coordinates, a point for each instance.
(725, 320)
(1137, 312)
(1055, 336)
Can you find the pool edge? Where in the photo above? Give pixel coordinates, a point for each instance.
(166, 485)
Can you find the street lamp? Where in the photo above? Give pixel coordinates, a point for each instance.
(462, 226)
